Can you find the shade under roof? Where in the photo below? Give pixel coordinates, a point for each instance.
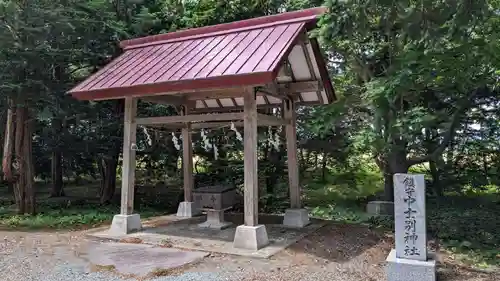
(252, 52)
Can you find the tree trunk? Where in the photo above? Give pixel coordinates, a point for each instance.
(323, 166)
(24, 192)
(57, 171)
(19, 162)
(396, 163)
(29, 173)
(57, 175)
(436, 180)
(9, 136)
(108, 179)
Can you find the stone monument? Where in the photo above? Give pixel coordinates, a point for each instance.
(410, 261)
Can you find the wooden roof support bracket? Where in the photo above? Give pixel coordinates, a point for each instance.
(282, 89)
(271, 90)
(311, 68)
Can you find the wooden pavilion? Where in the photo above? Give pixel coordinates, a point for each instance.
(216, 75)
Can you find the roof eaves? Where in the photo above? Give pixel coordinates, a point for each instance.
(325, 76)
(227, 81)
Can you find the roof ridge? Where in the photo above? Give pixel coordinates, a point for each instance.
(225, 28)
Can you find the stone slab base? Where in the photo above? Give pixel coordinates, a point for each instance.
(380, 208)
(296, 218)
(250, 237)
(187, 210)
(125, 224)
(410, 270)
(215, 220)
(140, 260)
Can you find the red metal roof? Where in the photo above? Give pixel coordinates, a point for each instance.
(242, 53)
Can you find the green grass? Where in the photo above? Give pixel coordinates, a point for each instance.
(53, 216)
(467, 226)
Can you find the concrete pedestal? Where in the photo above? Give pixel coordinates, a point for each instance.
(250, 237)
(410, 270)
(188, 210)
(125, 224)
(380, 208)
(215, 220)
(296, 218)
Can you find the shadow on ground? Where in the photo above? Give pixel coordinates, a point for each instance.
(340, 243)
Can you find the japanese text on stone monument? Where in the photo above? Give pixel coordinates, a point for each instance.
(410, 224)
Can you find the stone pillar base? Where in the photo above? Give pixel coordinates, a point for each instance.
(188, 210)
(250, 237)
(125, 224)
(410, 270)
(215, 220)
(296, 218)
(380, 208)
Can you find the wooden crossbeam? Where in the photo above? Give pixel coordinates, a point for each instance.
(269, 120)
(277, 90)
(165, 99)
(190, 118)
(262, 120)
(282, 90)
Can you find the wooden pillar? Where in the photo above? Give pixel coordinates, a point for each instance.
(250, 158)
(129, 147)
(291, 149)
(187, 158)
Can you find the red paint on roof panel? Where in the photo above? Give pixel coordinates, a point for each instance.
(123, 69)
(237, 51)
(263, 49)
(185, 63)
(138, 69)
(107, 70)
(248, 52)
(183, 51)
(201, 56)
(160, 62)
(244, 53)
(283, 43)
(193, 72)
(162, 53)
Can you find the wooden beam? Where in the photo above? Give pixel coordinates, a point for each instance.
(294, 79)
(129, 147)
(272, 90)
(187, 158)
(282, 90)
(234, 102)
(311, 68)
(190, 118)
(208, 125)
(233, 108)
(166, 99)
(251, 196)
(291, 149)
(269, 120)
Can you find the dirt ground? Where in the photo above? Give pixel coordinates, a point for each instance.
(335, 252)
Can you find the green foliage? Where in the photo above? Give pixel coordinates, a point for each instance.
(340, 213)
(408, 71)
(417, 83)
(56, 216)
(468, 225)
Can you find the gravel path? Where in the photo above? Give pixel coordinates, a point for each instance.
(336, 253)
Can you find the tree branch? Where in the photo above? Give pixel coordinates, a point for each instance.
(450, 133)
